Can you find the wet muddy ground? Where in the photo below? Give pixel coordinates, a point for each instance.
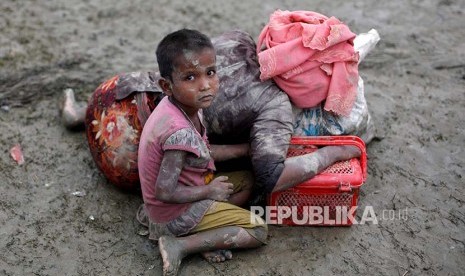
(414, 85)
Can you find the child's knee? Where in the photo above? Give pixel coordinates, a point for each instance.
(261, 233)
(260, 229)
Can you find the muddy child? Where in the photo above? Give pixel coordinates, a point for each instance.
(186, 207)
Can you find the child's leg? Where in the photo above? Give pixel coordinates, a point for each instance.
(241, 197)
(223, 226)
(243, 182)
(174, 249)
(300, 168)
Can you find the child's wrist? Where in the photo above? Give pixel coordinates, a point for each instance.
(209, 191)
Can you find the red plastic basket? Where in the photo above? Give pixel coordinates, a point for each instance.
(329, 198)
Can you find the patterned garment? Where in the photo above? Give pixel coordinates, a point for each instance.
(317, 122)
(116, 113)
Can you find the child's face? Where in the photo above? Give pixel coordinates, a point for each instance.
(194, 81)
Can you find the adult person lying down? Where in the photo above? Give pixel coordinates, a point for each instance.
(248, 109)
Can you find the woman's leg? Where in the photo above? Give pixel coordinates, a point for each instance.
(300, 168)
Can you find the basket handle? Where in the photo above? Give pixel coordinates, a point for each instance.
(343, 140)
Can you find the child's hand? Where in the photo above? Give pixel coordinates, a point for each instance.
(220, 189)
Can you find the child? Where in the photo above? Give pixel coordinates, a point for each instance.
(184, 207)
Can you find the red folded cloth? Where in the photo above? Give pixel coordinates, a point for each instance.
(311, 57)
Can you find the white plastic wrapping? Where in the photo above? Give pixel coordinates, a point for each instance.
(365, 42)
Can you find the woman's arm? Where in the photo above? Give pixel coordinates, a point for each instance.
(170, 191)
(225, 152)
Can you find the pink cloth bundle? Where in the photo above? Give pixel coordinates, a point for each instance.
(311, 57)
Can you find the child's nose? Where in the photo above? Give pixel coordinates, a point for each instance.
(204, 84)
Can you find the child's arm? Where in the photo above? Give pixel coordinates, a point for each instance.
(168, 190)
(225, 152)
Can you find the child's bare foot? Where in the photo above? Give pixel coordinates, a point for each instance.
(217, 256)
(171, 253)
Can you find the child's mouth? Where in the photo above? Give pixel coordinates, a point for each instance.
(206, 98)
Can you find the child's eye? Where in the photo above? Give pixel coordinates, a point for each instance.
(190, 77)
(211, 72)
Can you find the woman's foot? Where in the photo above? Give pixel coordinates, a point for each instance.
(349, 152)
(72, 113)
(217, 256)
(171, 253)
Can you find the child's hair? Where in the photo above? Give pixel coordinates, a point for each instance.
(174, 44)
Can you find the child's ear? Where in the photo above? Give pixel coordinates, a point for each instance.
(166, 86)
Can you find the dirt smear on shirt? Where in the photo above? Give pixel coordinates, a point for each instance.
(59, 215)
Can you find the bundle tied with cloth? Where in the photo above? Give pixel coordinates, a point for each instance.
(314, 60)
(310, 57)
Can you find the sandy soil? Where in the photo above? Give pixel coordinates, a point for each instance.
(414, 84)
